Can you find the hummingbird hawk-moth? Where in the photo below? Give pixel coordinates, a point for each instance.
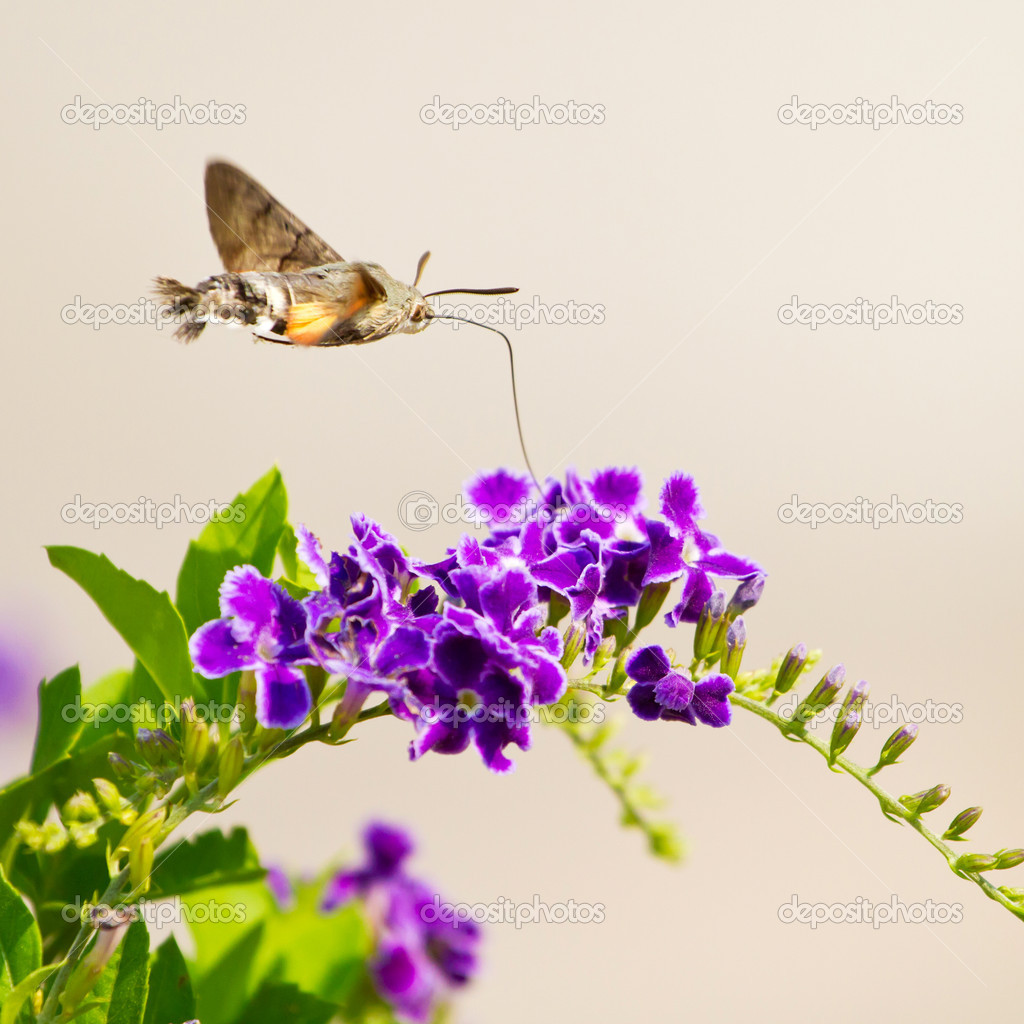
(283, 280)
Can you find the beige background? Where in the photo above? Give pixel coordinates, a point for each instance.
(691, 215)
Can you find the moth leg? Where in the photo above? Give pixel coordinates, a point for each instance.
(269, 336)
(273, 333)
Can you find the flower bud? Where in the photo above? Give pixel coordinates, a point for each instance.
(122, 768)
(157, 747)
(55, 837)
(90, 967)
(651, 600)
(195, 745)
(927, 800)
(604, 653)
(735, 644)
(572, 642)
(80, 807)
(790, 669)
(247, 702)
(115, 804)
(1012, 894)
(961, 823)
(847, 726)
(822, 696)
(895, 747)
(617, 677)
(856, 696)
(146, 826)
(83, 833)
(229, 766)
(974, 862)
(709, 635)
(747, 594)
(140, 865)
(1009, 858)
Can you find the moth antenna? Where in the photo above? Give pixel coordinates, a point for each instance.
(419, 267)
(473, 291)
(512, 368)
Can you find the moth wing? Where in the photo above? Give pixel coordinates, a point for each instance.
(253, 231)
(327, 322)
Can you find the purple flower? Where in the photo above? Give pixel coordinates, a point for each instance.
(420, 955)
(280, 887)
(491, 659)
(660, 691)
(262, 628)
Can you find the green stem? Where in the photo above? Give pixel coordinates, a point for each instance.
(890, 805)
(180, 810)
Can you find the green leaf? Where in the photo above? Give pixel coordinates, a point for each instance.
(295, 570)
(145, 618)
(276, 1002)
(120, 992)
(210, 859)
(33, 794)
(16, 1000)
(342, 937)
(170, 1000)
(223, 545)
(60, 718)
(111, 690)
(223, 990)
(21, 950)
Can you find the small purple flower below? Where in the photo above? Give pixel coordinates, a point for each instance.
(419, 959)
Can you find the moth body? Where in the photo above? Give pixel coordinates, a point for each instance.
(343, 303)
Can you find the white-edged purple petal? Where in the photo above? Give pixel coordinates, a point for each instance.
(215, 651)
(249, 596)
(711, 700)
(283, 699)
(680, 503)
(648, 664)
(311, 554)
(643, 702)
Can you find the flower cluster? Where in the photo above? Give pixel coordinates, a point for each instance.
(419, 957)
(477, 628)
